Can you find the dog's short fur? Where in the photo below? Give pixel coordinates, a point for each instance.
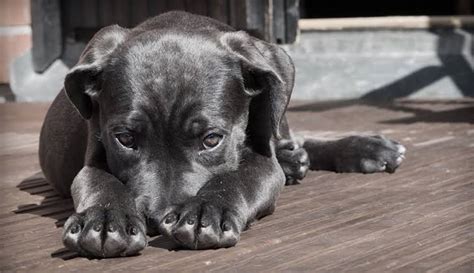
(178, 127)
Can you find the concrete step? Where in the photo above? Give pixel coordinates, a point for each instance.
(383, 62)
(405, 57)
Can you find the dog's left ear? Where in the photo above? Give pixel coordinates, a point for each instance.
(83, 83)
(268, 76)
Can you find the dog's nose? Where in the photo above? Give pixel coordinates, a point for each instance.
(153, 223)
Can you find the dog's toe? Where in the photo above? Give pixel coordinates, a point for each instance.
(386, 156)
(102, 233)
(294, 161)
(401, 149)
(370, 154)
(200, 224)
(372, 166)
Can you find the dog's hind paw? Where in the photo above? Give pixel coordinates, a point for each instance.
(102, 233)
(293, 160)
(369, 154)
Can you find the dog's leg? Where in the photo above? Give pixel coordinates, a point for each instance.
(293, 158)
(291, 155)
(106, 222)
(363, 154)
(225, 206)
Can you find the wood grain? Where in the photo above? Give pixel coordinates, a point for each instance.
(420, 219)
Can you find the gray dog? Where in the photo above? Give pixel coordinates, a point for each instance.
(178, 127)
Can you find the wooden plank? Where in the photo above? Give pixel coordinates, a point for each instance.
(176, 4)
(197, 6)
(139, 12)
(417, 220)
(89, 21)
(106, 15)
(89, 14)
(219, 9)
(238, 14)
(121, 12)
(266, 32)
(71, 16)
(47, 35)
(156, 7)
(291, 20)
(279, 22)
(389, 22)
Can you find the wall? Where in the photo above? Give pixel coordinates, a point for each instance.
(394, 58)
(15, 33)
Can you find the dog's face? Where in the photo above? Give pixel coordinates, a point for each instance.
(175, 111)
(173, 115)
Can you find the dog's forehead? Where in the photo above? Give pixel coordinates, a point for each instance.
(174, 72)
(172, 55)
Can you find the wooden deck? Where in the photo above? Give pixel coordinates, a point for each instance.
(420, 219)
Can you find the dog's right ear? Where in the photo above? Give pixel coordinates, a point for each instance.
(83, 82)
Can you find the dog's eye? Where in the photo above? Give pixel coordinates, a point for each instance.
(126, 139)
(211, 140)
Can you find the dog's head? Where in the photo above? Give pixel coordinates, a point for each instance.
(173, 111)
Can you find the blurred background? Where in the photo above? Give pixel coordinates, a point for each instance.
(375, 50)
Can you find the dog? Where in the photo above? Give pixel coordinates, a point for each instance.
(177, 127)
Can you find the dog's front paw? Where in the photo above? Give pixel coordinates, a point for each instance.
(293, 160)
(369, 154)
(104, 232)
(202, 224)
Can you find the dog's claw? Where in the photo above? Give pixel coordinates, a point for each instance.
(369, 154)
(92, 235)
(196, 224)
(294, 160)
